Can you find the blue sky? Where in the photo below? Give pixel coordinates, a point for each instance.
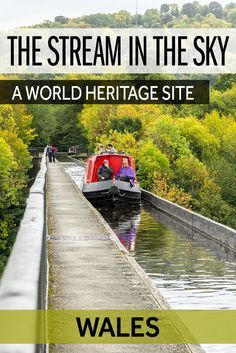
(15, 13)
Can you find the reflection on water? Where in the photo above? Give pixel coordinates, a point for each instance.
(189, 270)
(124, 224)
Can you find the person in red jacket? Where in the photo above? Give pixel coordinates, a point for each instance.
(54, 151)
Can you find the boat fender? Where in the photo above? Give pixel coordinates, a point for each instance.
(114, 190)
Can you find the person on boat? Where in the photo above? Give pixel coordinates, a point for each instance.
(111, 149)
(101, 149)
(105, 171)
(126, 173)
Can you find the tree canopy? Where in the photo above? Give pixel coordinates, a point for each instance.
(180, 150)
(191, 14)
(16, 134)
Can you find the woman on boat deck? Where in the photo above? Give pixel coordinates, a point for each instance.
(126, 173)
(105, 172)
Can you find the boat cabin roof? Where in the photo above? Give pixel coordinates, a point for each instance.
(95, 161)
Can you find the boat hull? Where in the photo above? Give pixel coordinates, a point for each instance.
(112, 193)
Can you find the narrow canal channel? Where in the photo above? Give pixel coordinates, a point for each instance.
(190, 271)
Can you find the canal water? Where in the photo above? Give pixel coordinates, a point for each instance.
(190, 271)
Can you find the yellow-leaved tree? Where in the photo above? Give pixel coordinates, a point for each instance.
(15, 161)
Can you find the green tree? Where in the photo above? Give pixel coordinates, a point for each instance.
(61, 19)
(190, 174)
(166, 18)
(96, 119)
(69, 130)
(225, 176)
(232, 16)
(230, 6)
(224, 102)
(197, 7)
(125, 124)
(216, 9)
(201, 141)
(151, 161)
(164, 9)
(204, 10)
(174, 10)
(44, 122)
(151, 18)
(122, 141)
(168, 138)
(98, 20)
(8, 191)
(188, 9)
(224, 129)
(163, 188)
(15, 161)
(210, 21)
(123, 19)
(21, 156)
(224, 82)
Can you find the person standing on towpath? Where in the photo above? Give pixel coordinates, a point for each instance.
(49, 153)
(54, 151)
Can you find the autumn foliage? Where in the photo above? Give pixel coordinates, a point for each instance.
(15, 161)
(188, 159)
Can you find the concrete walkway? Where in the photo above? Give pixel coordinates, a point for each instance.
(89, 269)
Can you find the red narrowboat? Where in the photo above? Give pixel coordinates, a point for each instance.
(115, 185)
